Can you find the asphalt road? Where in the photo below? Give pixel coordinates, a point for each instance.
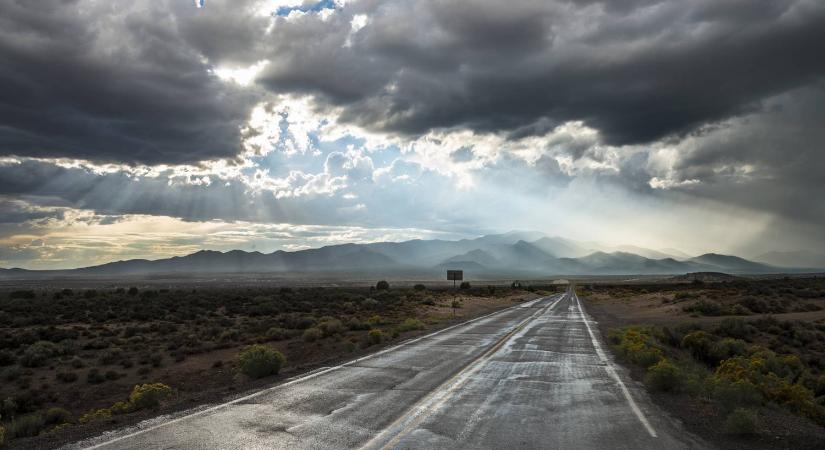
(534, 376)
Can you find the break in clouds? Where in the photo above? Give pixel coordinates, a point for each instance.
(680, 123)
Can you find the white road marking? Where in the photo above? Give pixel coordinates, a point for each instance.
(612, 371)
(306, 377)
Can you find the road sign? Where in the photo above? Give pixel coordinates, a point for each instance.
(455, 275)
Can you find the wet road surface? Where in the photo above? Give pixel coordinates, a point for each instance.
(535, 376)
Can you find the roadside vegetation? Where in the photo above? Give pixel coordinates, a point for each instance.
(102, 356)
(738, 377)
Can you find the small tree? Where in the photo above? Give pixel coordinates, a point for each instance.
(257, 361)
(464, 285)
(382, 285)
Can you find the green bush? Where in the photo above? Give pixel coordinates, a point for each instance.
(731, 395)
(57, 416)
(95, 415)
(727, 348)
(331, 326)
(38, 353)
(374, 321)
(277, 334)
(663, 376)
(705, 308)
(420, 287)
(456, 304)
(741, 421)
(146, 396)
(7, 358)
(382, 285)
(699, 343)
(312, 334)
(257, 361)
(411, 324)
(636, 344)
(375, 336)
(464, 285)
(735, 327)
(27, 426)
(121, 408)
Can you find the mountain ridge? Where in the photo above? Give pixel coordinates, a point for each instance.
(491, 255)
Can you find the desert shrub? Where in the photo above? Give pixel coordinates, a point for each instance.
(375, 336)
(277, 334)
(95, 377)
(382, 285)
(735, 327)
(7, 358)
(38, 353)
(11, 373)
(429, 301)
(257, 361)
(420, 287)
(727, 348)
(741, 421)
(111, 375)
(464, 285)
(663, 376)
(145, 396)
(25, 295)
(705, 308)
(57, 416)
(27, 426)
(66, 377)
(121, 408)
(637, 345)
(736, 394)
(312, 334)
(95, 415)
(370, 303)
(411, 324)
(2, 435)
(375, 321)
(330, 326)
(456, 304)
(699, 343)
(156, 359)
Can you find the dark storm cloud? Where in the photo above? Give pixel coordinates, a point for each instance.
(635, 70)
(772, 161)
(114, 81)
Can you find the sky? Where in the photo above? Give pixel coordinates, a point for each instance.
(153, 128)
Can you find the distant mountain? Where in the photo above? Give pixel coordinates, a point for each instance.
(523, 254)
(477, 256)
(800, 258)
(727, 263)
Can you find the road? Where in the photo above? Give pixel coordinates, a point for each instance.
(535, 376)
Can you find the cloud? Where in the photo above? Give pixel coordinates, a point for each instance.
(635, 71)
(113, 83)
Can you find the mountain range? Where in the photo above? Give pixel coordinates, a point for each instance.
(525, 254)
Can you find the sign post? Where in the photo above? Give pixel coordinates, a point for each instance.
(455, 275)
